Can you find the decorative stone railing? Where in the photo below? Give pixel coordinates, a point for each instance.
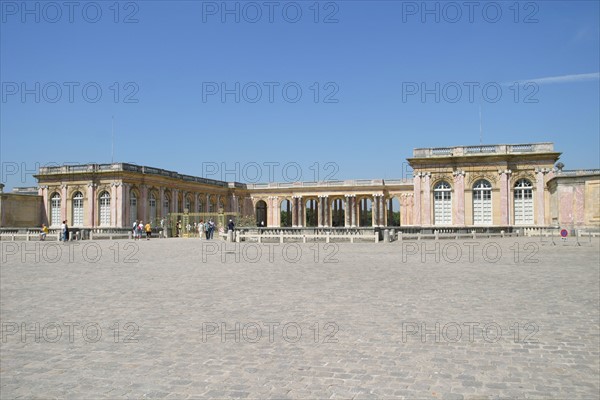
(336, 183)
(484, 149)
(578, 172)
(116, 167)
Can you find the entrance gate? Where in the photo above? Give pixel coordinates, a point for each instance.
(189, 222)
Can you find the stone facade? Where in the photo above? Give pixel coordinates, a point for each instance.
(498, 169)
(575, 199)
(465, 186)
(20, 210)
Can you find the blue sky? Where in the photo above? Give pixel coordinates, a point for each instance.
(161, 68)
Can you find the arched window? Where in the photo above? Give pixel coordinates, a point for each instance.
(523, 202)
(78, 209)
(188, 204)
(482, 202)
(442, 203)
(104, 209)
(55, 210)
(166, 206)
(132, 207)
(152, 206)
(200, 205)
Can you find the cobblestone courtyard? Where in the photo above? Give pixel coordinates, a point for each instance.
(183, 318)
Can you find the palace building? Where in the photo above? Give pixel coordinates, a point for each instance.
(517, 185)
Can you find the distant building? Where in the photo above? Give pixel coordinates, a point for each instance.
(463, 186)
(31, 190)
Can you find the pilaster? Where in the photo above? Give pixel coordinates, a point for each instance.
(459, 198)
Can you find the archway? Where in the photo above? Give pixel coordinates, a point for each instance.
(365, 214)
(338, 212)
(393, 212)
(285, 208)
(261, 213)
(312, 212)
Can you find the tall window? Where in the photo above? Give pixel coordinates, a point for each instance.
(152, 206)
(200, 205)
(104, 209)
(482, 202)
(132, 207)
(78, 209)
(166, 206)
(523, 202)
(442, 203)
(55, 210)
(188, 204)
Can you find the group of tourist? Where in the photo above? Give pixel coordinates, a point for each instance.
(64, 232)
(139, 228)
(203, 228)
(207, 228)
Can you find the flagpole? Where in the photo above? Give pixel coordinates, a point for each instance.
(112, 149)
(480, 127)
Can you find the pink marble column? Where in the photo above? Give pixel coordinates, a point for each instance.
(121, 222)
(294, 211)
(175, 201)
(353, 211)
(63, 203)
(271, 210)
(327, 211)
(113, 204)
(382, 211)
(504, 199)
(565, 206)
(374, 210)
(426, 213)
(301, 213)
(539, 199)
(409, 209)
(144, 208)
(90, 210)
(417, 200)
(43, 191)
(403, 209)
(126, 209)
(459, 198)
(579, 204)
(161, 205)
(346, 211)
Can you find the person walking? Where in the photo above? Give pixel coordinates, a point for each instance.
(140, 229)
(44, 232)
(211, 225)
(64, 231)
(201, 229)
(148, 229)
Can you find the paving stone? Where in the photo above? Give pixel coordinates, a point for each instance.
(354, 328)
